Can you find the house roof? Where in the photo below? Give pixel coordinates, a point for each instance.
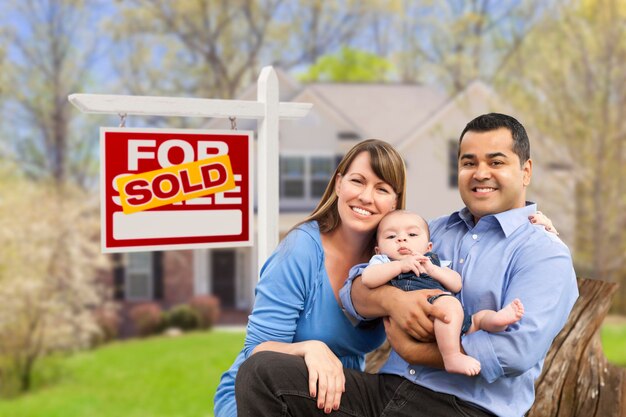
(395, 112)
(388, 111)
(439, 112)
(385, 111)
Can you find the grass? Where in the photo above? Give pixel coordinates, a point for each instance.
(141, 378)
(161, 377)
(614, 343)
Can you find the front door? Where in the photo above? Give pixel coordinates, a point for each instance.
(223, 275)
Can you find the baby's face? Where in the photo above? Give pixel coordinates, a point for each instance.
(402, 234)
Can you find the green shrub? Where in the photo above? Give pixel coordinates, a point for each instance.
(9, 379)
(147, 318)
(207, 307)
(182, 317)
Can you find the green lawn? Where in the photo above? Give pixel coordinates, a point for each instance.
(158, 377)
(140, 378)
(614, 343)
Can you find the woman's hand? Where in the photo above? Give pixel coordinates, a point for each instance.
(414, 314)
(326, 378)
(542, 219)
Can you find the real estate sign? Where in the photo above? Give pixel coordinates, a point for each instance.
(175, 189)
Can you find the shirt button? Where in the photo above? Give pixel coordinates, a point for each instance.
(412, 371)
(474, 237)
(461, 260)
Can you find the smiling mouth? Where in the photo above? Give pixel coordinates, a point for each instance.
(484, 189)
(361, 211)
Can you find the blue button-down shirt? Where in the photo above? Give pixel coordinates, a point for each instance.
(500, 258)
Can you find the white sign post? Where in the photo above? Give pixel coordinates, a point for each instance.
(267, 110)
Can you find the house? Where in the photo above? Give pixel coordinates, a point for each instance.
(421, 121)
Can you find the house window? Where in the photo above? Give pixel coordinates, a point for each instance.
(303, 179)
(139, 276)
(321, 170)
(453, 163)
(292, 177)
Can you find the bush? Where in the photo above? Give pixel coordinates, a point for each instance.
(147, 318)
(9, 379)
(207, 307)
(182, 317)
(108, 321)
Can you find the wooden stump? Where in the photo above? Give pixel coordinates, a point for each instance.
(577, 380)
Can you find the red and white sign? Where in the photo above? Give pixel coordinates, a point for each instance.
(159, 162)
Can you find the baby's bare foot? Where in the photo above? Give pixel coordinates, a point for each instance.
(510, 314)
(459, 363)
(498, 321)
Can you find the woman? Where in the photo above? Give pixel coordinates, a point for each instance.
(296, 308)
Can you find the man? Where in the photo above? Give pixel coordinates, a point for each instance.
(501, 256)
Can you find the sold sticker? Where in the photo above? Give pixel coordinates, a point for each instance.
(174, 184)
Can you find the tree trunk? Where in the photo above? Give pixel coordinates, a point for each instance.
(577, 380)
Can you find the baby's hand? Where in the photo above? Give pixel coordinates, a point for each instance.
(412, 263)
(426, 264)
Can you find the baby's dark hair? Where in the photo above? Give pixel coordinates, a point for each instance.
(424, 224)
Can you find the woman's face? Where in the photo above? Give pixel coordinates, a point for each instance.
(362, 197)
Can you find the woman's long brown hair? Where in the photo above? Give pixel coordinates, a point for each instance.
(386, 163)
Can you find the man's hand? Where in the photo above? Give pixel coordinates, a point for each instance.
(409, 349)
(399, 340)
(414, 314)
(411, 310)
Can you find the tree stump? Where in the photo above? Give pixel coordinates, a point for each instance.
(577, 380)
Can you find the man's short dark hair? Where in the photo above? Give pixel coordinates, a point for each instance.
(494, 121)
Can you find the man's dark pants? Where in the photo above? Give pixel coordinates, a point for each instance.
(276, 384)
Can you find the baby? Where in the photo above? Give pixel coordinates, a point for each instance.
(403, 259)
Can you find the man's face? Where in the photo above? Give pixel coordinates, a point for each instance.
(491, 179)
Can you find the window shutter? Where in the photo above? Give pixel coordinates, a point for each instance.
(118, 277)
(453, 163)
(338, 159)
(157, 268)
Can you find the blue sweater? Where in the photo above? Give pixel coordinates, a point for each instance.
(295, 302)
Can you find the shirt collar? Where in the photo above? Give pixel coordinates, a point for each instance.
(508, 220)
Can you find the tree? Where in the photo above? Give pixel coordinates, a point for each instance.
(214, 48)
(305, 30)
(569, 78)
(454, 42)
(349, 65)
(48, 264)
(49, 55)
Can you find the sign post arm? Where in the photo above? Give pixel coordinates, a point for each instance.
(267, 165)
(181, 106)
